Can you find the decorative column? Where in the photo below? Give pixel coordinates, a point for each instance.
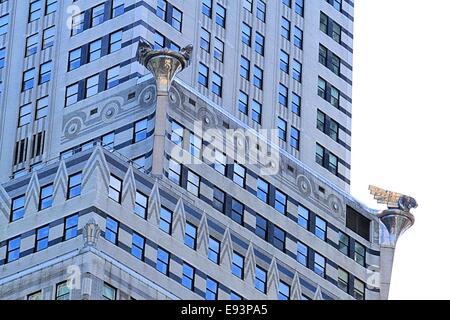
(394, 221)
(165, 64)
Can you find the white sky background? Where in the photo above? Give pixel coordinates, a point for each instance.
(400, 135)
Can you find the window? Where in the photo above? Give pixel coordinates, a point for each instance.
(4, 20)
(299, 7)
(330, 60)
(360, 254)
(161, 9)
(177, 19)
(237, 267)
(297, 71)
(18, 208)
(319, 264)
(258, 77)
(321, 88)
(42, 238)
(245, 68)
(260, 279)
(112, 230)
(45, 73)
(92, 86)
(259, 43)
(246, 36)
(140, 205)
(95, 50)
(237, 211)
(218, 49)
(32, 45)
(303, 217)
(220, 162)
(188, 276)
(35, 10)
(115, 41)
(256, 111)
(261, 227)
(162, 261)
(282, 127)
(174, 173)
(190, 236)
(74, 185)
(284, 291)
(205, 39)
(108, 141)
(217, 84)
(263, 190)
(213, 250)
(285, 28)
(280, 201)
(25, 115)
(72, 94)
(261, 10)
(279, 238)
(62, 291)
(115, 189)
(206, 8)
(320, 154)
(28, 79)
(176, 134)
(243, 102)
(335, 97)
(221, 13)
(212, 288)
(46, 197)
(112, 77)
(247, 4)
(295, 138)
(320, 229)
(98, 15)
(359, 289)
(284, 61)
(302, 253)
(137, 247)
(282, 95)
(287, 3)
(71, 227)
(51, 6)
(343, 280)
(203, 75)
(140, 130)
(74, 59)
(239, 174)
(337, 4)
(344, 242)
(118, 8)
(35, 296)
(48, 38)
(298, 37)
(109, 292)
(13, 250)
(218, 199)
(77, 23)
(165, 220)
(193, 183)
(235, 296)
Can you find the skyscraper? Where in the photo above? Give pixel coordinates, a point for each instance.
(112, 187)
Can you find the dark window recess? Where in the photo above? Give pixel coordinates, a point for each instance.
(358, 223)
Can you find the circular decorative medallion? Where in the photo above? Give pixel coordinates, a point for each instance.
(335, 204)
(208, 119)
(148, 95)
(73, 127)
(110, 111)
(304, 185)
